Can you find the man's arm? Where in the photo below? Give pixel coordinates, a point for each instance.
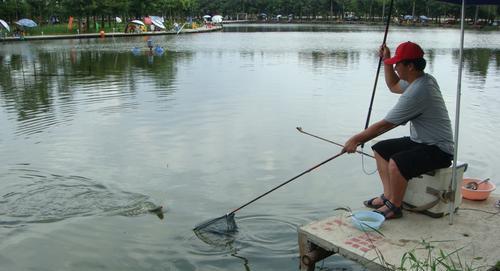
(371, 132)
(391, 78)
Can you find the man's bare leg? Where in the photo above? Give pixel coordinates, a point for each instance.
(383, 172)
(397, 184)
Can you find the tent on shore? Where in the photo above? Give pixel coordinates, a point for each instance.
(4, 25)
(26, 23)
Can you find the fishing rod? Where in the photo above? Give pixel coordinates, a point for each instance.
(378, 68)
(302, 173)
(327, 140)
(228, 219)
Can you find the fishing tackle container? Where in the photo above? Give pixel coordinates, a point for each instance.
(430, 193)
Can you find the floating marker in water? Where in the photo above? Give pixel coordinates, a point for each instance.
(136, 51)
(159, 50)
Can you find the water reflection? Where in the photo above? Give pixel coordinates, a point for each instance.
(207, 123)
(477, 61)
(341, 59)
(44, 88)
(300, 27)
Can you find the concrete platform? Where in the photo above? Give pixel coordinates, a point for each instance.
(475, 232)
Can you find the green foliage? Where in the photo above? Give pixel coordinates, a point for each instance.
(435, 259)
(42, 10)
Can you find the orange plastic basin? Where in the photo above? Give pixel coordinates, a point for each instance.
(483, 191)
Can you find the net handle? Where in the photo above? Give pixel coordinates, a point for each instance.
(302, 173)
(320, 164)
(231, 214)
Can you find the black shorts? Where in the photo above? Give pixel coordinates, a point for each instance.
(412, 158)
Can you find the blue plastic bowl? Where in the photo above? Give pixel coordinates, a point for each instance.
(367, 220)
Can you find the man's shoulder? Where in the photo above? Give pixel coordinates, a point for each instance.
(429, 79)
(425, 81)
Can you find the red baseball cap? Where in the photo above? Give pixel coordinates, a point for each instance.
(405, 51)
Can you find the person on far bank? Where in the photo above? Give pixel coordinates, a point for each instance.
(430, 144)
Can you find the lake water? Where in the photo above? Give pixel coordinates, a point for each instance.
(94, 134)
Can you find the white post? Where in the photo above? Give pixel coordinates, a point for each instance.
(457, 115)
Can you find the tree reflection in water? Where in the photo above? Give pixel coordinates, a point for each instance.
(45, 87)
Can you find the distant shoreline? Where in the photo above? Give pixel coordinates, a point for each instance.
(203, 29)
(335, 22)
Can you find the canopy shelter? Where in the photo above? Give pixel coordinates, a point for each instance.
(217, 19)
(26, 23)
(459, 85)
(134, 26)
(207, 18)
(137, 22)
(4, 25)
(157, 18)
(157, 21)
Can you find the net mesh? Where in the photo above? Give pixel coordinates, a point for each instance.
(217, 232)
(221, 225)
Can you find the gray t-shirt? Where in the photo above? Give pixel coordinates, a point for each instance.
(433, 126)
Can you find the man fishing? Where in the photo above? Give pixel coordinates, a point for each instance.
(430, 144)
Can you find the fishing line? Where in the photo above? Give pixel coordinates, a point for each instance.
(365, 171)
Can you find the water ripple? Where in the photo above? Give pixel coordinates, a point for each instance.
(258, 234)
(33, 196)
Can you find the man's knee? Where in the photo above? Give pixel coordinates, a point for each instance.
(378, 157)
(393, 167)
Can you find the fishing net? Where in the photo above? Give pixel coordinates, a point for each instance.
(221, 225)
(217, 232)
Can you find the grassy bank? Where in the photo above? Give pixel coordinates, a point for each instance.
(62, 29)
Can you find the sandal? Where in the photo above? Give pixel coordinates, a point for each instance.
(391, 212)
(369, 203)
